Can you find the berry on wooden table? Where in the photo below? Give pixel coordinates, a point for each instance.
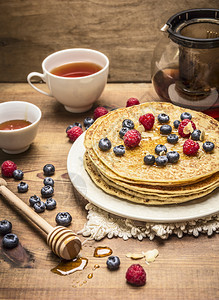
(113, 263)
(18, 174)
(47, 191)
(50, 203)
(5, 227)
(88, 122)
(99, 112)
(132, 101)
(39, 207)
(48, 181)
(7, 168)
(136, 275)
(33, 200)
(63, 219)
(48, 169)
(10, 240)
(74, 133)
(22, 187)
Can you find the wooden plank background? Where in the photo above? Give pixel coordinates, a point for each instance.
(127, 31)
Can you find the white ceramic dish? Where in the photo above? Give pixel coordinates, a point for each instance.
(163, 214)
(18, 140)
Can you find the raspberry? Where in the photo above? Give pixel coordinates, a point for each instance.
(190, 147)
(132, 138)
(136, 275)
(99, 112)
(132, 101)
(74, 133)
(182, 125)
(8, 168)
(147, 121)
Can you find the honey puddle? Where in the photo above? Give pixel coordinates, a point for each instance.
(69, 267)
(89, 276)
(102, 251)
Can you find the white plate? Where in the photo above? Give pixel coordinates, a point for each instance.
(170, 213)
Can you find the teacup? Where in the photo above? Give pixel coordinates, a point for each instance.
(18, 140)
(77, 94)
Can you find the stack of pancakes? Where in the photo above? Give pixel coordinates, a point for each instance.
(127, 176)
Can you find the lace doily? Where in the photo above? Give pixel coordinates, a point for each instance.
(102, 224)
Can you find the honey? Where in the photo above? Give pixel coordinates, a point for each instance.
(102, 251)
(69, 267)
(14, 124)
(89, 276)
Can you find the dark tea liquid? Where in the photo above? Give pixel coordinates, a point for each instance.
(76, 69)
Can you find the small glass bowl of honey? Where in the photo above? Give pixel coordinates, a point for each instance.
(19, 122)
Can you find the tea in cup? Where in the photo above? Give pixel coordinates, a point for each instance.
(75, 77)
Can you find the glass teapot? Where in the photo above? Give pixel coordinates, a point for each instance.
(185, 65)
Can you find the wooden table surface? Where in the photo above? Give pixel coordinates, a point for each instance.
(186, 268)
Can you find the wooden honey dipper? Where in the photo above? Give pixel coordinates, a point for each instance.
(63, 242)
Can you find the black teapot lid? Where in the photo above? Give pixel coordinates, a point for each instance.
(195, 28)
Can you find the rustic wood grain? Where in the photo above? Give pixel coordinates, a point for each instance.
(126, 31)
(186, 268)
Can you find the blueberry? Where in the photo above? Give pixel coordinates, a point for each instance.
(208, 146)
(48, 181)
(50, 203)
(47, 191)
(10, 240)
(185, 115)
(119, 150)
(22, 187)
(149, 159)
(39, 207)
(18, 174)
(105, 144)
(123, 131)
(161, 160)
(5, 227)
(88, 122)
(48, 169)
(128, 123)
(68, 128)
(33, 200)
(172, 138)
(63, 219)
(176, 123)
(173, 156)
(195, 136)
(165, 129)
(163, 118)
(113, 263)
(160, 148)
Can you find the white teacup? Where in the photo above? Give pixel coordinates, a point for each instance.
(77, 94)
(18, 140)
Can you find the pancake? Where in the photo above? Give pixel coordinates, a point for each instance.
(130, 167)
(132, 196)
(127, 177)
